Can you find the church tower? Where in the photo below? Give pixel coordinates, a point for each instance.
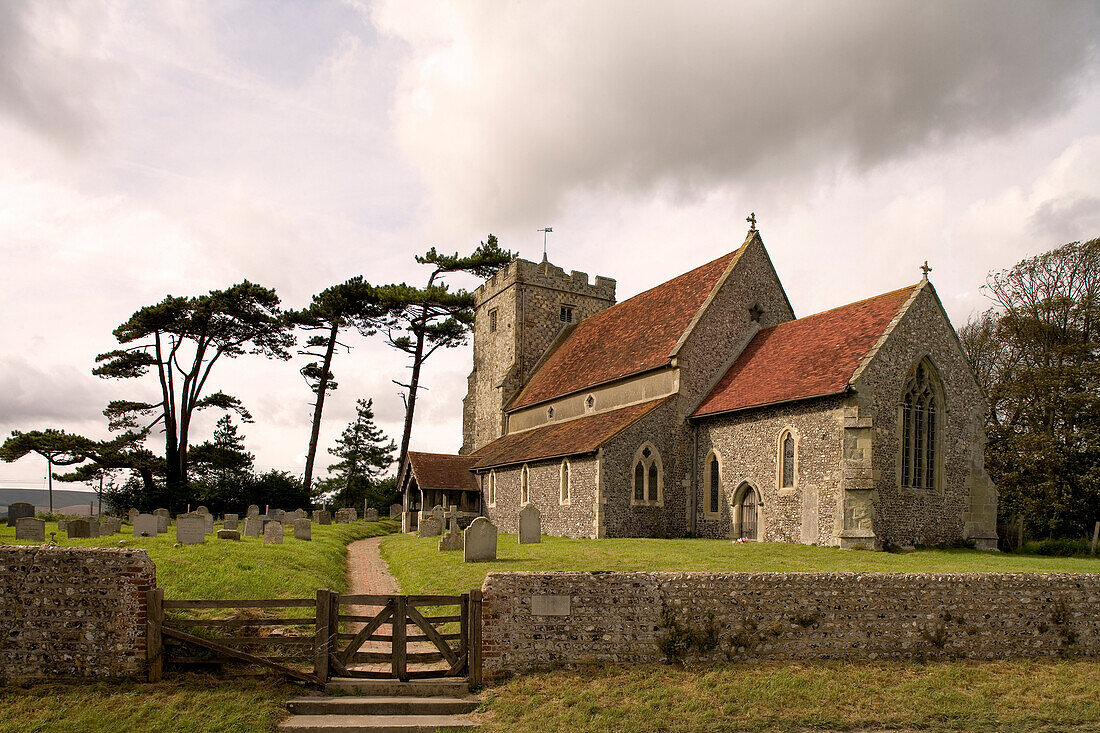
(519, 312)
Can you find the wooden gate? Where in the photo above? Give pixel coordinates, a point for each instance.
(401, 637)
(370, 636)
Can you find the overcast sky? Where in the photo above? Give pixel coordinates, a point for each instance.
(176, 147)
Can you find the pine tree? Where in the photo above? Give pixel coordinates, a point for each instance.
(222, 468)
(365, 454)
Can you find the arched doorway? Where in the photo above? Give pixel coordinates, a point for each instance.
(746, 514)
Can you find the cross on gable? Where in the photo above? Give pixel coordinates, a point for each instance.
(751, 219)
(925, 269)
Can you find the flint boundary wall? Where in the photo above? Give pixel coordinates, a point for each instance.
(542, 620)
(73, 613)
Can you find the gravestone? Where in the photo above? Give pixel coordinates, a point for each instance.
(78, 528)
(325, 517)
(18, 510)
(530, 525)
(61, 524)
(303, 529)
(191, 529)
(395, 510)
(353, 514)
(229, 534)
(230, 521)
(479, 541)
(253, 511)
(93, 527)
(342, 516)
(29, 528)
(147, 525)
(208, 523)
(371, 515)
(163, 518)
(131, 514)
(115, 524)
(200, 509)
(452, 538)
(273, 533)
(253, 526)
(106, 529)
(278, 515)
(429, 526)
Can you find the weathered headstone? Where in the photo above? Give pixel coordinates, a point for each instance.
(371, 515)
(93, 527)
(106, 529)
(479, 541)
(278, 515)
(230, 521)
(303, 529)
(208, 523)
(324, 517)
(78, 528)
(131, 514)
(190, 529)
(451, 539)
(229, 534)
(342, 516)
(273, 533)
(429, 526)
(61, 524)
(29, 528)
(253, 526)
(530, 525)
(115, 523)
(200, 509)
(146, 524)
(17, 510)
(163, 518)
(253, 511)
(395, 510)
(353, 514)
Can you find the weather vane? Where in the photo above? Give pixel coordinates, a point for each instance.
(545, 231)
(751, 219)
(925, 269)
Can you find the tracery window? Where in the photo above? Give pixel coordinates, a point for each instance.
(920, 411)
(787, 450)
(648, 482)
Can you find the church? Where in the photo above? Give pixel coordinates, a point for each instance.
(703, 408)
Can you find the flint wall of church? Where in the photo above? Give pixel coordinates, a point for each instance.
(747, 444)
(573, 519)
(621, 516)
(718, 338)
(904, 516)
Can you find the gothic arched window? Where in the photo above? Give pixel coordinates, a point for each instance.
(713, 484)
(787, 450)
(492, 488)
(920, 413)
(648, 484)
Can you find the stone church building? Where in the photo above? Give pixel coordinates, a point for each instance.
(703, 407)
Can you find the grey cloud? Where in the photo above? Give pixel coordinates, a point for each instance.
(532, 102)
(34, 397)
(1067, 219)
(48, 87)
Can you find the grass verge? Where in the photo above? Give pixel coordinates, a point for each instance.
(1004, 696)
(420, 568)
(245, 569)
(185, 704)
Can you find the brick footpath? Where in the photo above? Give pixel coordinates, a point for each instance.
(73, 613)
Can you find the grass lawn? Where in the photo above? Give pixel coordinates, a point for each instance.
(420, 568)
(189, 703)
(1002, 696)
(245, 569)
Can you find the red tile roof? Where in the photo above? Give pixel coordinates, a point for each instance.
(627, 338)
(809, 357)
(572, 437)
(443, 471)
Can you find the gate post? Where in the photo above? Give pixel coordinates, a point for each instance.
(154, 641)
(398, 661)
(474, 645)
(321, 640)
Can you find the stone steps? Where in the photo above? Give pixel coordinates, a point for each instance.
(383, 706)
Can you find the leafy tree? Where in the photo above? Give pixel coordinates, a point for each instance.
(180, 340)
(277, 488)
(1037, 355)
(419, 321)
(98, 456)
(365, 454)
(351, 304)
(221, 468)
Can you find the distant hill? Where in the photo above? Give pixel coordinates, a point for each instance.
(62, 498)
